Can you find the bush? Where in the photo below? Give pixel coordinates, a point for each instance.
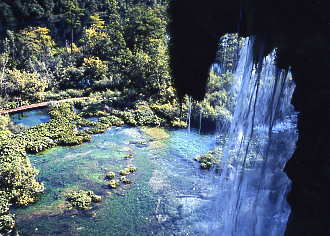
(177, 123)
(82, 199)
(209, 159)
(7, 223)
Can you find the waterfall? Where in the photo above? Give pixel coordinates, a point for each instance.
(200, 120)
(261, 138)
(189, 114)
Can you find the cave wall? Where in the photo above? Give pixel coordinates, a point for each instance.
(300, 30)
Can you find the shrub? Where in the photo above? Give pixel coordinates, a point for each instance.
(209, 159)
(177, 123)
(110, 175)
(113, 183)
(82, 199)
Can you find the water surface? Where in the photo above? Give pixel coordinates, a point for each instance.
(30, 117)
(170, 194)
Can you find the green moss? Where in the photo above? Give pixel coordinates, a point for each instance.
(124, 172)
(209, 159)
(110, 175)
(113, 183)
(82, 199)
(125, 180)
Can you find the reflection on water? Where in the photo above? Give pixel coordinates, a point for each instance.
(31, 117)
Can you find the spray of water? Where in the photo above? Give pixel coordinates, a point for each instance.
(261, 139)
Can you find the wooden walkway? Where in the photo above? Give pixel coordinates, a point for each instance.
(37, 105)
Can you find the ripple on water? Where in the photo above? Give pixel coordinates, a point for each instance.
(167, 196)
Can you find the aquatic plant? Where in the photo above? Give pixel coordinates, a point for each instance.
(7, 223)
(110, 175)
(131, 169)
(82, 199)
(208, 159)
(124, 172)
(113, 183)
(127, 170)
(125, 180)
(128, 156)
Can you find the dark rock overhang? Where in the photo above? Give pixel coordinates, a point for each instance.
(299, 29)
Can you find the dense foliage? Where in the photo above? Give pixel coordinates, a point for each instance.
(113, 53)
(82, 199)
(18, 184)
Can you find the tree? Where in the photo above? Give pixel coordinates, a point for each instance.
(145, 34)
(95, 70)
(73, 17)
(24, 85)
(35, 42)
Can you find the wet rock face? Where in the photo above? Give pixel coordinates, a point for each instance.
(309, 168)
(300, 30)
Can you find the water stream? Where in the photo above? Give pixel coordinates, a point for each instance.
(170, 194)
(30, 117)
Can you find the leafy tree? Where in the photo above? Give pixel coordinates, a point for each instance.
(144, 26)
(73, 17)
(95, 70)
(35, 42)
(95, 37)
(217, 103)
(23, 85)
(228, 52)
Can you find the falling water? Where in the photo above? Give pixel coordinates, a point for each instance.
(189, 113)
(261, 139)
(200, 121)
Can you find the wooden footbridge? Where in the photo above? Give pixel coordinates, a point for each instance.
(37, 105)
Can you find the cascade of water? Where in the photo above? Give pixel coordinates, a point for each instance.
(261, 139)
(200, 121)
(189, 114)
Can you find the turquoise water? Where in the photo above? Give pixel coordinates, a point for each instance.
(31, 117)
(169, 195)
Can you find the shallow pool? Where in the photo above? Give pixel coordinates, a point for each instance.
(169, 195)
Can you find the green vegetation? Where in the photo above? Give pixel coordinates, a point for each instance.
(7, 221)
(82, 199)
(210, 158)
(110, 175)
(112, 52)
(117, 55)
(113, 183)
(125, 180)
